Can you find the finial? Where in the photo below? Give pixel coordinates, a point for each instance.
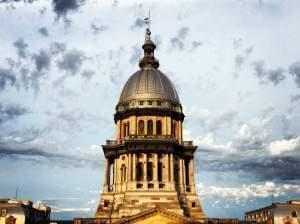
(148, 61)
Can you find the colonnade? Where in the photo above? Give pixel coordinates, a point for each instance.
(149, 171)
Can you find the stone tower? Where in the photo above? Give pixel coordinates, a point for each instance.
(148, 165)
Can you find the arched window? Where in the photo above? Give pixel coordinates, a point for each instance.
(141, 127)
(150, 127)
(124, 130)
(123, 173)
(139, 171)
(158, 127)
(173, 129)
(128, 129)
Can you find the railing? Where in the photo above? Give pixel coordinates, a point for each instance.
(188, 143)
(168, 137)
(111, 142)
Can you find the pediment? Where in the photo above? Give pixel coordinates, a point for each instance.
(156, 216)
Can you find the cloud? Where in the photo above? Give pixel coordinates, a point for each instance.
(63, 7)
(7, 77)
(36, 149)
(57, 47)
(265, 76)
(42, 60)
(196, 44)
(294, 70)
(136, 55)
(179, 40)
(295, 98)
(213, 121)
(43, 31)
(11, 112)
(98, 28)
(88, 74)
(21, 46)
(284, 146)
(252, 135)
(72, 61)
(138, 23)
(245, 193)
(240, 59)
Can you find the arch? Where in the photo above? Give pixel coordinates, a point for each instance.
(10, 220)
(141, 127)
(139, 171)
(128, 128)
(158, 127)
(173, 129)
(149, 127)
(123, 173)
(124, 130)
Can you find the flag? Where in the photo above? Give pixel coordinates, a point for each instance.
(146, 20)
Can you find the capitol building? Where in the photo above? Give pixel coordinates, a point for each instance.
(149, 168)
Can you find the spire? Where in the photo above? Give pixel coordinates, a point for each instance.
(148, 61)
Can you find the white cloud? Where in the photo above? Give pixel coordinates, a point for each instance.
(247, 192)
(279, 147)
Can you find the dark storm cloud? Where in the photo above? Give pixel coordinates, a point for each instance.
(265, 168)
(57, 47)
(294, 70)
(7, 77)
(42, 60)
(295, 98)
(11, 111)
(43, 31)
(138, 23)
(179, 40)
(63, 7)
(72, 61)
(21, 46)
(265, 76)
(40, 151)
(96, 29)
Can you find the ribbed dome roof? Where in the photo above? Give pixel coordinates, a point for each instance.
(149, 83)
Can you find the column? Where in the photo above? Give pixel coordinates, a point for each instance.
(167, 167)
(133, 125)
(134, 167)
(145, 167)
(169, 123)
(191, 174)
(164, 126)
(171, 168)
(115, 175)
(180, 175)
(180, 131)
(183, 174)
(128, 176)
(155, 167)
(118, 134)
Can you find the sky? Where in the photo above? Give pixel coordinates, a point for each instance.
(235, 65)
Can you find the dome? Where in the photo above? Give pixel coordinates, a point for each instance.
(147, 84)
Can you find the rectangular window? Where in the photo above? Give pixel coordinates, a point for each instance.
(106, 203)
